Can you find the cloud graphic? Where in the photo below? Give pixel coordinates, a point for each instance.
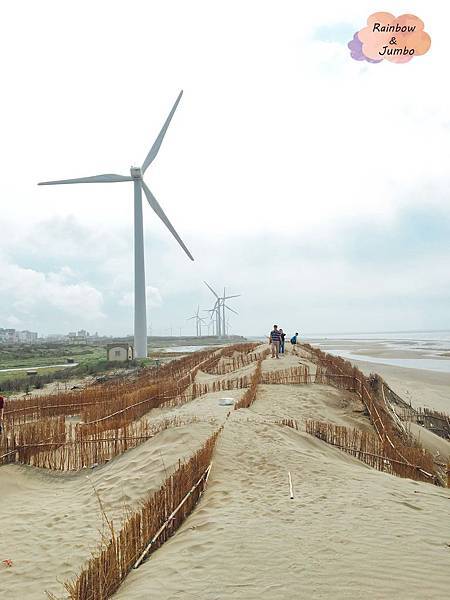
(356, 52)
(396, 39)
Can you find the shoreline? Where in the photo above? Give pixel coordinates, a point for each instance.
(421, 386)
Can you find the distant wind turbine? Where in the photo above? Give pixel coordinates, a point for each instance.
(198, 322)
(225, 306)
(137, 173)
(216, 310)
(219, 310)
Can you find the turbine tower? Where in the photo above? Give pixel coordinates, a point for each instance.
(211, 322)
(136, 176)
(224, 306)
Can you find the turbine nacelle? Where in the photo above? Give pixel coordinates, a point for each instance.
(136, 172)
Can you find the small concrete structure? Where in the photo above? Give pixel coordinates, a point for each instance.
(120, 352)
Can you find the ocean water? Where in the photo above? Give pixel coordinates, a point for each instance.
(432, 347)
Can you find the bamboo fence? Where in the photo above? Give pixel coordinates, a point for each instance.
(236, 360)
(36, 434)
(294, 375)
(54, 445)
(98, 399)
(250, 395)
(145, 530)
(433, 420)
(374, 452)
(340, 373)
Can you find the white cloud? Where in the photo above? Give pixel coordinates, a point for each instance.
(29, 293)
(153, 295)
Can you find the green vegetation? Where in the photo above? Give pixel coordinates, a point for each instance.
(23, 355)
(91, 360)
(18, 381)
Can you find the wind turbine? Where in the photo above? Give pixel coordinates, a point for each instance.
(219, 309)
(136, 176)
(216, 309)
(224, 306)
(198, 322)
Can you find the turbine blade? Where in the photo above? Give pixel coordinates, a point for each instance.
(161, 214)
(207, 284)
(157, 143)
(228, 297)
(232, 309)
(105, 178)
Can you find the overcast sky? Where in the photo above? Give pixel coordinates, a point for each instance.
(314, 185)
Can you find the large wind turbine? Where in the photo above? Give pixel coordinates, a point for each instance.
(136, 176)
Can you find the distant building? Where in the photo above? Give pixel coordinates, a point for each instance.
(56, 337)
(27, 337)
(120, 352)
(11, 336)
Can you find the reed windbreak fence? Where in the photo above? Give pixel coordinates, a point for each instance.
(112, 416)
(145, 530)
(250, 395)
(369, 449)
(99, 400)
(293, 375)
(342, 374)
(234, 361)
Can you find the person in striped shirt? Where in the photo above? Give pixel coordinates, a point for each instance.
(274, 341)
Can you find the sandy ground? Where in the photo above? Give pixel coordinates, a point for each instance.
(350, 532)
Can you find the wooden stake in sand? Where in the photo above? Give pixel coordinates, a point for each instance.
(291, 489)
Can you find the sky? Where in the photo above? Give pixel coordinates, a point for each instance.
(313, 185)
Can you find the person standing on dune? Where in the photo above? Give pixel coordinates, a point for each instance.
(282, 336)
(2, 408)
(274, 341)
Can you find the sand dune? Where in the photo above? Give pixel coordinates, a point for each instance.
(350, 532)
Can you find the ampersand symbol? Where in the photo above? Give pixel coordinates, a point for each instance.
(393, 41)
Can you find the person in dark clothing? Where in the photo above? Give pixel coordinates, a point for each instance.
(2, 408)
(282, 336)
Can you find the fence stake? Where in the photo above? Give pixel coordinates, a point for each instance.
(291, 489)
